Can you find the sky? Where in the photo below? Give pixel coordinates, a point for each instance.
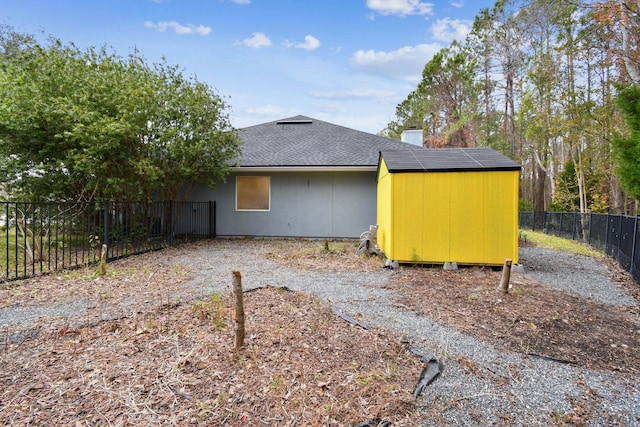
(348, 62)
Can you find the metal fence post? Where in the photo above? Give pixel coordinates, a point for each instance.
(105, 226)
(210, 218)
(546, 219)
(619, 238)
(7, 221)
(606, 234)
(170, 214)
(633, 246)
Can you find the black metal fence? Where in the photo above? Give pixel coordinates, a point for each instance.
(36, 238)
(616, 235)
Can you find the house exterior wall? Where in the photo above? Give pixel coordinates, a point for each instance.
(437, 217)
(312, 205)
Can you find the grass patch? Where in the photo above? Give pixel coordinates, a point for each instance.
(212, 309)
(547, 241)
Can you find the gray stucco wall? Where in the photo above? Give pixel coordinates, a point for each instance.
(315, 204)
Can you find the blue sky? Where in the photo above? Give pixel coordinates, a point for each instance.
(348, 62)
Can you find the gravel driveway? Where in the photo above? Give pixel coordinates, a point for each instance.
(538, 388)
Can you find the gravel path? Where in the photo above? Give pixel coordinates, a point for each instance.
(576, 274)
(537, 388)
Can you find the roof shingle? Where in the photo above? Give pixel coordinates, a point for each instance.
(448, 159)
(303, 141)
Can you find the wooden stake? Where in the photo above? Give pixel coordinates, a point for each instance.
(239, 324)
(506, 276)
(103, 260)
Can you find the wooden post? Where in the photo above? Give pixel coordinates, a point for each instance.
(239, 324)
(506, 276)
(103, 260)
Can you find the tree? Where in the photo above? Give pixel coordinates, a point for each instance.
(12, 42)
(84, 125)
(189, 136)
(630, 26)
(445, 102)
(568, 192)
(410, 113)
(627, 149)
(539, 85)
(482, 45)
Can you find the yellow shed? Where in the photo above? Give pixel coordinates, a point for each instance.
(448, 205)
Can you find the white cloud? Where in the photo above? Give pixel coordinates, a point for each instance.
(241, 1)
(400, 7)
(402, 64)
(448, 30)
(179, 29)
(457, 4)
(310, 43)
(257, 40)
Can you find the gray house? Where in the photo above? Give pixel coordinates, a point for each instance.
(301, 177)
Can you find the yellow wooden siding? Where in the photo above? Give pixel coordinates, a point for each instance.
(501, 227)
(466, 217)
(435, 217)
(407, 206)
(433, 227)
(384, 203)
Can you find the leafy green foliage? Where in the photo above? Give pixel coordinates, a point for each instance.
(87, 124)
(627, 150)
(567, 197)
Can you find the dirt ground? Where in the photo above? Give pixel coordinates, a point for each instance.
(169, 361)
(532, 318)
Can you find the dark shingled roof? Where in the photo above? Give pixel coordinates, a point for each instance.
(448, 159)
(304, 141)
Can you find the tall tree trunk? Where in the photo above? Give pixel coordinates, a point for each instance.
(540, 178)
(629, 9)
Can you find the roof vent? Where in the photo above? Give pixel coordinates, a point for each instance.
(294, 122)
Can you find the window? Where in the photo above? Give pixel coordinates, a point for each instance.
(253, 193)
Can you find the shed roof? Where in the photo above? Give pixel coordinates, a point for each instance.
(302, 141)
(448, 159)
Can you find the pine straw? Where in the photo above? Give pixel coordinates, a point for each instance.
(173, 363)
(532, 318)
(134, 280)
(321, 255)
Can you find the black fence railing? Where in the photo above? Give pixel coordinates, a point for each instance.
(36, 238)
(616, 235)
